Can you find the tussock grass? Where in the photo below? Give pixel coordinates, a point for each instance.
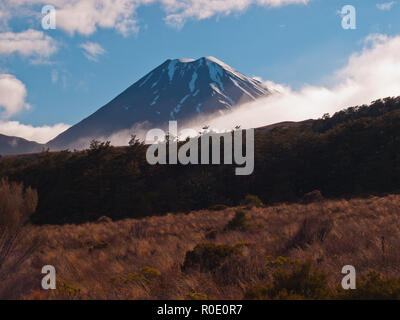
(17, 240)
(332, 233)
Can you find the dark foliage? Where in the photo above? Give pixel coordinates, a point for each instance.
(251, 201)
(208, 257)
(373, 286)
(354, 153)
(301, 282)
(239, 221)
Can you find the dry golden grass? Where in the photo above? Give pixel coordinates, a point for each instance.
(17, 241)
(104, 260)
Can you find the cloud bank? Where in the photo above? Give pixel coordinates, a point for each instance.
(40, 134)
(85, 17)
(368, 75)
(179, 11)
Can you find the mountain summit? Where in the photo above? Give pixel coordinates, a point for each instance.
(179, 89)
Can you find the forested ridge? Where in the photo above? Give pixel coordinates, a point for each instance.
(355, 152)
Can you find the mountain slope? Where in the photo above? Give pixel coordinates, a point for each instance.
(14, 145)
(176, 90)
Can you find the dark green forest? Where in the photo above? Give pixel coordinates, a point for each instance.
(355, 152)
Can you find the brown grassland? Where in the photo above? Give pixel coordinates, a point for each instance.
(241, 252)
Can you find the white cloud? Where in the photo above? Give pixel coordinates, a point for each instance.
(92, 50)
(386, 6)
(12, 101)
(85, 17)
(179, 11)
(39, 134)
(12, 96)
(370, 74)
(27, 43)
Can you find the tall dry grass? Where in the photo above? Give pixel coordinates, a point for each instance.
(108, 260)
(17, 243)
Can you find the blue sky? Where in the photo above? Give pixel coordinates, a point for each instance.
(293, 44)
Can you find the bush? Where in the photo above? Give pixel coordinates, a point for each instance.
(239, 221)
(16, 206)
(97, 147)
(150, 273)
(208, 257)
(300, 282)
(145, 275)
(251, 201)
(373, 287)
(67, 290)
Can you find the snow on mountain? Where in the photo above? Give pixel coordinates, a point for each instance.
(178, 89)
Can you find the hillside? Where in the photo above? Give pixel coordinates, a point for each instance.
(14, 145)
(143, 259)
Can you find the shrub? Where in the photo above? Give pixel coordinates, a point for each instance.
(282, 261)
(218, 207)
(300, 282)
(373, 286)
(145, 275)
(16, 206)
(67, 290)
(208, 257)
(239, 221)
(150, 273)
(251, 201)
(97, 147)
(242, 244)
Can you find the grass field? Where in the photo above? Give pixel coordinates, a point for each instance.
(145, 259)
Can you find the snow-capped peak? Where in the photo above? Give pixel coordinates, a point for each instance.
(222, 64)
(178, 89)
(186, 60)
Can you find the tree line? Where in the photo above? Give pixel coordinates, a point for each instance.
(355, 152)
